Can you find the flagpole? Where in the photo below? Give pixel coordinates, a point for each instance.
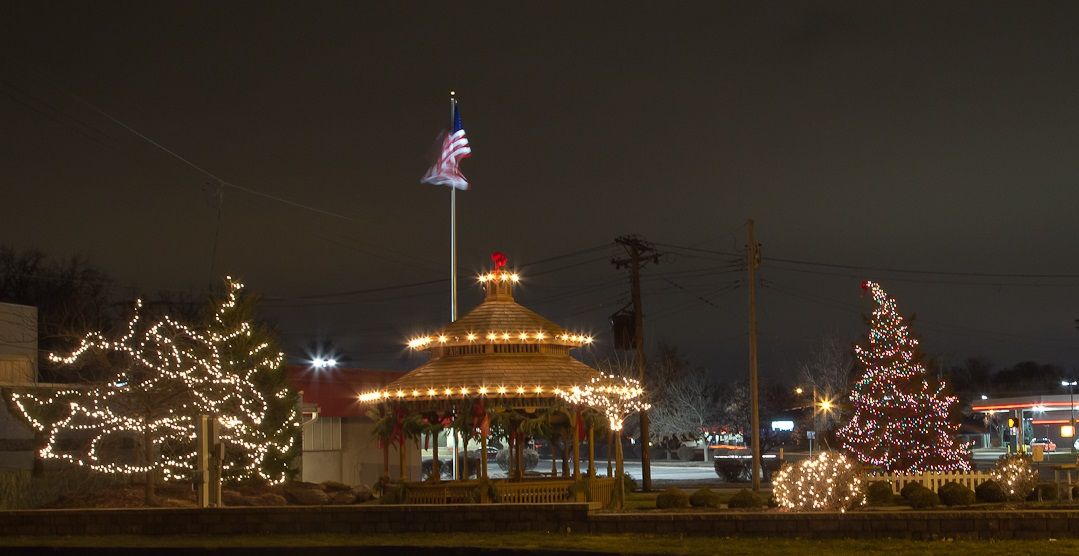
(453, 232)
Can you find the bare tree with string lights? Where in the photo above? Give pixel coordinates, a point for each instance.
(165, 375)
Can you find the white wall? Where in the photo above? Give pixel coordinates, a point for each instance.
(359, 459)
(18, 344)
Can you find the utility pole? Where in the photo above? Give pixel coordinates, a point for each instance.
(753, 258)
(639, 250)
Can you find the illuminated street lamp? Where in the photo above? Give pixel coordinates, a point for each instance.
(320, 363)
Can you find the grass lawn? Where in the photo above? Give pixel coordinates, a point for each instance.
(609, 544)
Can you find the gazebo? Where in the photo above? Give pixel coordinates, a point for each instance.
(502, 367)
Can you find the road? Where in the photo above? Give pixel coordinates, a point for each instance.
(682, 472)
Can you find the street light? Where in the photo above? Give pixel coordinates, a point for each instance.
(1071, 404)
(320, 363)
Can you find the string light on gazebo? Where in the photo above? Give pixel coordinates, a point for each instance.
(422, 342)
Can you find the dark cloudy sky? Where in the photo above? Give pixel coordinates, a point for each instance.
(939, 137)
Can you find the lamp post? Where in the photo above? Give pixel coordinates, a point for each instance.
(1071, 406)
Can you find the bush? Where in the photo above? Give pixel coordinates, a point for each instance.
(921, 498)
(1016, 475)
(672, 498)
(828, 482)
(1046, 491)
(955, 494)
(745, 499)
(908, 488)
(880, 493)
(989, 491)
(628, 482)
(704, 498)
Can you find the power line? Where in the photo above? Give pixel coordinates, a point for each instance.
(929, 281)
(223, 182)
(917, 271)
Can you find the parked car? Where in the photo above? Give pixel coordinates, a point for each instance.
(1046, 444)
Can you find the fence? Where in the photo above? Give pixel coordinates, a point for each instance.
(933, 481)
(545, 491)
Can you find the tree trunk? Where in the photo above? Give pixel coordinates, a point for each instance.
(620, 471)
(402, 456)
(610, 450)
(150, 498)
(385, 460)
(591, 450)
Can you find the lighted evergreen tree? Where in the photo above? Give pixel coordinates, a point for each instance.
(165, 374)
(900, 418)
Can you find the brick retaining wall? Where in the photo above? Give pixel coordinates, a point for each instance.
(571, 517)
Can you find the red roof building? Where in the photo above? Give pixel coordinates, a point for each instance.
(336, 390)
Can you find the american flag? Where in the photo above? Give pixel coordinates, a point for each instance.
(446, 170)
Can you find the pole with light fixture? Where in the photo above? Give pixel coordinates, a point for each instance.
(1071, 406)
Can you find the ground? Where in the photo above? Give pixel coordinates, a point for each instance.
(541, 543)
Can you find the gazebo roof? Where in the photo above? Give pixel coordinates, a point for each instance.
(499, 349)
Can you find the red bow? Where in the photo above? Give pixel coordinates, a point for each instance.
(499, 259)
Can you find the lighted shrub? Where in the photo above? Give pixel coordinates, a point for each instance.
(704, 498)
(955, 494)
(672, 498)
(989, 491)
(828, 482)
(879, 493)
(921, 498)
(745, 499)
(1016, 475)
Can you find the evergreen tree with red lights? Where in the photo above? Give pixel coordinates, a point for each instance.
(901, 420)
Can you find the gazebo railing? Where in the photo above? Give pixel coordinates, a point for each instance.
(534, 492)
(601, 490)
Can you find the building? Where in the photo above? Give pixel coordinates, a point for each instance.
(1042, 416)
(338, 444)
(18, 368)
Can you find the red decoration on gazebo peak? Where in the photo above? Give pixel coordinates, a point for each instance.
(499, 258)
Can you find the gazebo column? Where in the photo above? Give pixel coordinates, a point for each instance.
(554, 458)
(576, 446)
(464, 458)
(482, 474)
(436, 465)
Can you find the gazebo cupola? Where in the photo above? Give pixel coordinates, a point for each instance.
(500, 348)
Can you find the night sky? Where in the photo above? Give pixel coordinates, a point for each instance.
(870, 136)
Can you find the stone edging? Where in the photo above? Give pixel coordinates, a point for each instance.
(563, 517)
